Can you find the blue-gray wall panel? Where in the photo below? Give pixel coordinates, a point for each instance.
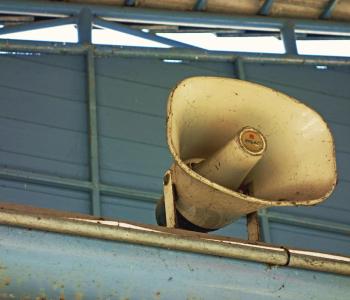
(126, 209)
(133, 159)
(27, 140)
(237, 229)
(44, 196)
(133, 179)
(156, 73)
(21, 105)
(43, 114)
(305, 238)
(332, 81)
(37, 74)
(133, 126)
(132, 96)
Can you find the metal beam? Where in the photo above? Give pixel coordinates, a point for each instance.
(129, 2)
(288, 37)
(202, 55)
(145, 35)
(308, 222)
(74, 184)
(56, 181)
(129, 193)
(38, 25)
(15, 46)
(84, 33)
(200, 5)
(93, 134)
(239, 68)
(149, 16)
(265, 225)
(85, 26)
(327, 13)
(264, 221)
(266, 7)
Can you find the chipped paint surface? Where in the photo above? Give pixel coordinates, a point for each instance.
(43, 265)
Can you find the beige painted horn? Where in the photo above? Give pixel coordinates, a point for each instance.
(239, 147)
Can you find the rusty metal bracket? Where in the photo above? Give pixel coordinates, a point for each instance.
(253, 227)
(169, 200)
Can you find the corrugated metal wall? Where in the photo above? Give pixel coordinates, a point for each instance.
(44, 129)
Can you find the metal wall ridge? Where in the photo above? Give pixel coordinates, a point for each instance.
(204, 55)
(174, 239)
(18, 47)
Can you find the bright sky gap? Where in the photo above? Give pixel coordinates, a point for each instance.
(208, 41)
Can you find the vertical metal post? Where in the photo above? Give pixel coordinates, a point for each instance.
(169, 200)
(239, 67)
(288, 37)
(253, 227)
(266, 7)
(200, 5)
(84, 33)
(85, 26)
(129, 2)
(265, 226)
(93, 138)
(252, 219)
(327, 13)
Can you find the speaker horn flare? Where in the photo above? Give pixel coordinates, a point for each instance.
(239, 147)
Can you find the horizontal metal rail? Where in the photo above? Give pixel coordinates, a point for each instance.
(129, 193)
(175, 239)
(49, 180)
(16, 46)
(149, 16)
(308, 222)
(74, 184)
